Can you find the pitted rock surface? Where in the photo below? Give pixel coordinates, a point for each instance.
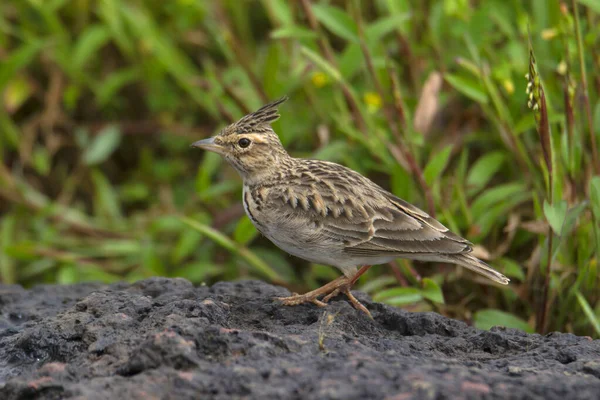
(166, 339)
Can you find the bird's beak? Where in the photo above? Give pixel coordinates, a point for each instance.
(208, 144)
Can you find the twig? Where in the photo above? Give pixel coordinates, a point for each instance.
(397, 95)
(409, 60)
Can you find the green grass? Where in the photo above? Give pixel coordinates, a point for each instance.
(101, 100)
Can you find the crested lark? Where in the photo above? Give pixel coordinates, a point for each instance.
(328, 214)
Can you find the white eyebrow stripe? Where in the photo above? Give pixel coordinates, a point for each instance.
(257, 138)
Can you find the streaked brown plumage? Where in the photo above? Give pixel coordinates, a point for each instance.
(329, 214)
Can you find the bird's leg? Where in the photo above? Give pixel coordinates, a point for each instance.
(346, 290)
(361, 271)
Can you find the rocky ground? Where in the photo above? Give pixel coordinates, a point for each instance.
(165, 339)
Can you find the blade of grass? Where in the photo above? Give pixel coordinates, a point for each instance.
(216, 236)
(589, 313)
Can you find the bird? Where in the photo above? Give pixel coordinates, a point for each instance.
(326, 213)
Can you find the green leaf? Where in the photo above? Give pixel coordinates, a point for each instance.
(593, 5)
(151, 262)
(218, 191)
(271, 67)
(333, 151)
(17, 59)
(401, 183)
(244, 231)
(293, 32)
(496, 214)
(485, 168)
(168, 224)
(494, 204)
(66, 275)
(595, 206)
(323, 64)
(399, 296)
(163, 50)
(8, 229)
(88, 44)
(10, 133)
(102, 146)
(436, 165)
(432, 291)
(555, 215)
(511, 268)
(96, 274)
(321, 272)
(281, 10)
(36, 268)
(572, 217)
(351, 61)
(206, 170)
(121, 247)
(378, 283)
(589, 313)
(199, 271)
(597, 116)
(25, 250)
(16, 93)
(495, 195)
(41, 160)
(487, 318)
(469, 87)
(133, 191)
(189, 240)
(280, 262)
(106, 201)
(337, 21)
(113, 83)
(383, 26)
(595, 196)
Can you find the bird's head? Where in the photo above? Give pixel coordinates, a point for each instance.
(250, 145)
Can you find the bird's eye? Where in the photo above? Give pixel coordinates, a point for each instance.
(244, 142)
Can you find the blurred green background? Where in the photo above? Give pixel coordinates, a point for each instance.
(101, 100)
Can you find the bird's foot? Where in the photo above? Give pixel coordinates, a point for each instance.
(330, 290)
(312, 296)
(346, 290)
(296, 299)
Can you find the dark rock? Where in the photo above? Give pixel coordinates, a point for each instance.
(165, 339)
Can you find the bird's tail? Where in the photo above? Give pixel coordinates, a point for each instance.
(476, 265)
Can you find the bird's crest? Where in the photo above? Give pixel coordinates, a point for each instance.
(258, 121)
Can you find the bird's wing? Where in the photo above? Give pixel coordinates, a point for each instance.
(400, 228)
(365, 218)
